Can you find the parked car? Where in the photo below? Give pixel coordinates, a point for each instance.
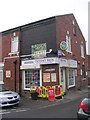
(84, 109)
(7, 97)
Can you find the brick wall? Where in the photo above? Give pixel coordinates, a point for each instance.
(9, 61)
(64, 23)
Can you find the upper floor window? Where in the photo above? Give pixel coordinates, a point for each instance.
(68, 41)
(74, 28)
(14, 44)
(82, 50)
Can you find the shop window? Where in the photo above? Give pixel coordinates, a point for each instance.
(14, 44)
(68, 41)
(32, 78)
(83, 72)
(71, 78)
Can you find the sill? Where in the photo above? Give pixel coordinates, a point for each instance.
(71, 86)
(83, 57)
(13, 53)
(69, 51)
(26, 88)
(83, 78)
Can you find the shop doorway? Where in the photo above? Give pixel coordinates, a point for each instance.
(63, 78)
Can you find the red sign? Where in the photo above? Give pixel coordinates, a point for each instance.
(51, 95)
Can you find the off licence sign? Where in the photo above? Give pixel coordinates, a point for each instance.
(63, 45)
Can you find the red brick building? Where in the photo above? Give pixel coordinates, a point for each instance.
(47, 52)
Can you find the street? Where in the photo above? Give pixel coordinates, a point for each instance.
(58, 109)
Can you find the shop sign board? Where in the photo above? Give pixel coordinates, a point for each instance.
(63, 62)
(40, 61)
(72, 63)
(51, 95)
(39, 50)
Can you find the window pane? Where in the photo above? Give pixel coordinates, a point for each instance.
(82, 51)
(71, 77)
(14, 44)
(32, 78)
(68, 41)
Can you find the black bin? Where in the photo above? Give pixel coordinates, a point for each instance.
(34, 95)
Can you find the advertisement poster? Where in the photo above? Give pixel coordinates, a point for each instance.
(46, 77)
(53, 77)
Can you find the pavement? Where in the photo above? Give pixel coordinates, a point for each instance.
(27, 102)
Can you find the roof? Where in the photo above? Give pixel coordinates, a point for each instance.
(43, 21)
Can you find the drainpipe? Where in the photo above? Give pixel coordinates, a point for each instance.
(15, 62)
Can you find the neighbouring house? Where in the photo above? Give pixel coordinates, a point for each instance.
(48, 52)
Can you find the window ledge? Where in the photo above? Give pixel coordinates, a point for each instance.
(71, 86)
(83, 57)
(13, 53)
(83, 78)
(69, 51)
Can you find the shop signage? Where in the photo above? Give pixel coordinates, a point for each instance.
(39, 50)
(51, 95)
(72, 63)
(35, 63)
(63, 62)
(63, 45)
(49, 70)
(40, 61)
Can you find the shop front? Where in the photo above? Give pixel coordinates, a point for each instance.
(39, 72)
(48, 72)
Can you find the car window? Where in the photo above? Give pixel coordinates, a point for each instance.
(86, 100)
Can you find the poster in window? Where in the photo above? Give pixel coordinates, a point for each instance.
(46, 77)
(53, 77)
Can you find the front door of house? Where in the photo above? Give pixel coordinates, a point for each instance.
(62, 82)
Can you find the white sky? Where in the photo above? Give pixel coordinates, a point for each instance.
(15, 13)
